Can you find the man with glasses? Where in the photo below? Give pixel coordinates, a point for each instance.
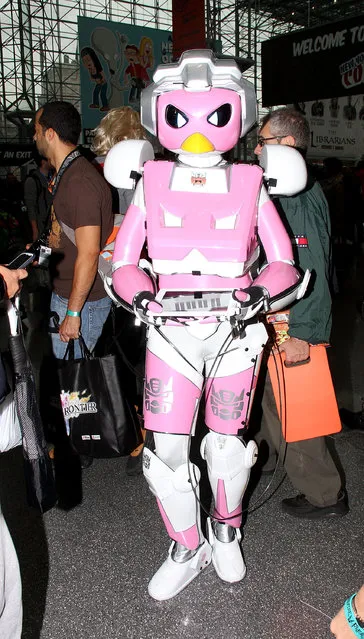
(308, 463)
(275, 139)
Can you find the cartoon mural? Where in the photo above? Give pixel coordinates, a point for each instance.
(117, 63)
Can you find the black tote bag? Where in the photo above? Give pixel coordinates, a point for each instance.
(100, 420)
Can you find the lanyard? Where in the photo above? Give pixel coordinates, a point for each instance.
(52, 187)
(69, 159)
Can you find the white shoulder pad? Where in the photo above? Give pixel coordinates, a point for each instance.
(285, 170)
(124, 158)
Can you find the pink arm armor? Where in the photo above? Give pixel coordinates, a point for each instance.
(128, 279)
(280, 273)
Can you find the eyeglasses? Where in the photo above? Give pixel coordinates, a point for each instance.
(262, 141)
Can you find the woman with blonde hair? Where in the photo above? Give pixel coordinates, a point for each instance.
(123, 123)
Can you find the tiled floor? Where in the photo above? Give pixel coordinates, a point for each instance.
(85, 572)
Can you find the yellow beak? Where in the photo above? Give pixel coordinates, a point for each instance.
(197, 143)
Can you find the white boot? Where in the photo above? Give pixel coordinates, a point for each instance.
(227, 558)
(172, 576)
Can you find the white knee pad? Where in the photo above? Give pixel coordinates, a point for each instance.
(230, 460)
(173, 489)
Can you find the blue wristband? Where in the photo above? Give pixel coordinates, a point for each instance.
(73, 313)
(351, 618)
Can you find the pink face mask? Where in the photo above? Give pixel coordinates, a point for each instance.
(215, 116)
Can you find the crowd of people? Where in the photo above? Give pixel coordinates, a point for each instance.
(67, 198)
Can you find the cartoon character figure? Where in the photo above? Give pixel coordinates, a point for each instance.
(361, 112)
(133, 73)
(317, 109)
(349, 111)
(111, 47)
(203, 219)
(146, 58)
(92, 63)
(334, 107)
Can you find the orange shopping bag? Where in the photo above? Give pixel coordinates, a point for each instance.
(305, 396)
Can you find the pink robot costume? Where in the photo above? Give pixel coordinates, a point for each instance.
(202, 219)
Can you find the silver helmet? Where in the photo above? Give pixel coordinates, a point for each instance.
(198, 70)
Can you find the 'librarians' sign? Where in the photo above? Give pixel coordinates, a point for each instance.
(337, 127)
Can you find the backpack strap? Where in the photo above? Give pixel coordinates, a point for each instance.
(104, 268)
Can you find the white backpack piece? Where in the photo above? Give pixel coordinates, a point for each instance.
(284, 168)
(126, 159)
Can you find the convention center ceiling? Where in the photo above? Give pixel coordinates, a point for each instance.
(307, 13)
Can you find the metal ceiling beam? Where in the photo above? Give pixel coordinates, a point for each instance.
(308, 13)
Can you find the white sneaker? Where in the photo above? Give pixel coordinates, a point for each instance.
(227, 558)
(172, 577)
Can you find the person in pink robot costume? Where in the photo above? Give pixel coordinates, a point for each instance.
(203, 220)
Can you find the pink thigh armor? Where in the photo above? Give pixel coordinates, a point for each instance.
(175, 366)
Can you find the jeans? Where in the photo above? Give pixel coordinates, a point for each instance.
(93, 317)
(100, 89)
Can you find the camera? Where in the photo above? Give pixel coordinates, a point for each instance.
(38, 251)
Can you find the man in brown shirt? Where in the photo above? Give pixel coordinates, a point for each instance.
(81, 223)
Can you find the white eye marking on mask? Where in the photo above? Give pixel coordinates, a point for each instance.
(213, 119)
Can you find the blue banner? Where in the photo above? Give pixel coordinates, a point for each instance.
(117, 62)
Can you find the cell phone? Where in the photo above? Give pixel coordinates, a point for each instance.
(22, 260)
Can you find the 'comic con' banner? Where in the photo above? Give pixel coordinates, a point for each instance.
(117, 62)
(324, 61)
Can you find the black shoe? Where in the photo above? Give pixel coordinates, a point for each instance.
(86, 461)
(354, 421)
(299, 506)
(134, 465)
